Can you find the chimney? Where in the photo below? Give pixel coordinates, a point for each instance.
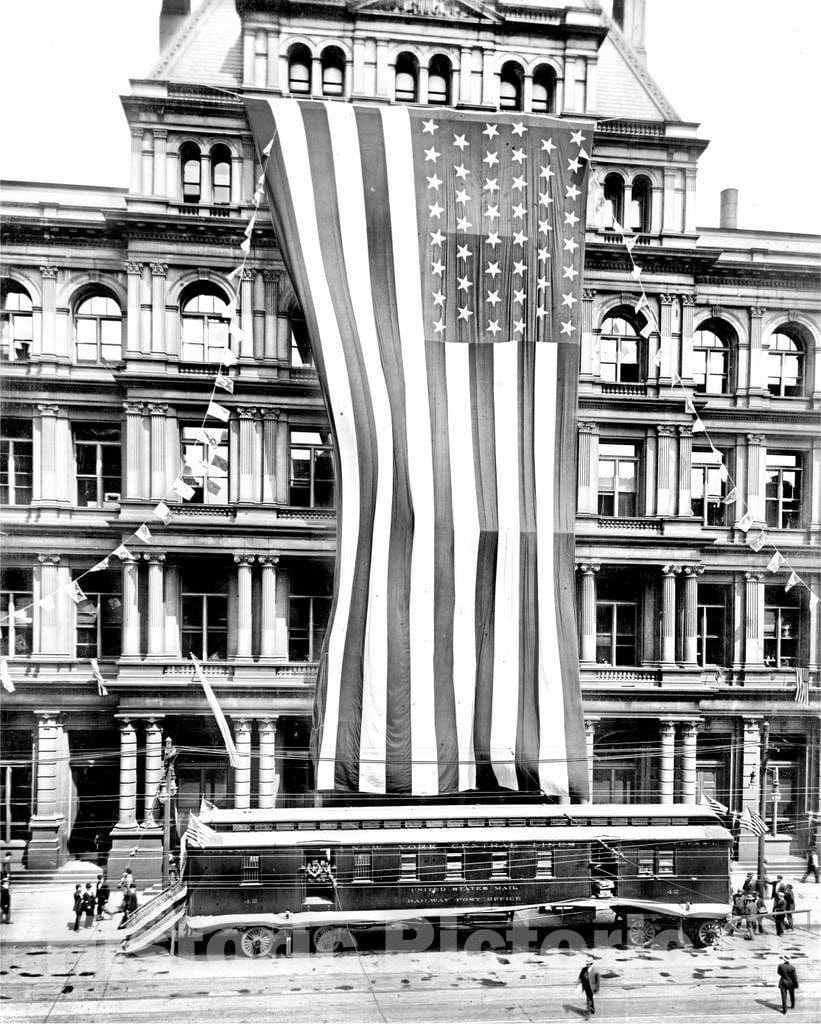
(629, 16)
(729, 209)
(172, 15)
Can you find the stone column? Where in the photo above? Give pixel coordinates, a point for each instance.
(147, 154)
(668, 613)
(666, 488)
(244, 605)
(268, 776)
(259, 316)
(242, 773)
(587, 370)
(131, 609)
(136, 160)
(47, 848)
(688, 308)
(158, 275)
(283, 599)
(269, 347)
(754, 619)
(669, 361)
(132, 338)
(236, 177)
(588, 572)
(145, 310)
(156, 608)
(247, 446)
(160, 146)
(589, 740)
(159, 485)
(48, 641)
(282, 473)
(283, 338)
(48, 346)
(588, 468)
(269, 609)
(751, 763)
(153, 773)
(172, 176)
(269, 444)
(246, 315)
(688, 762)
(668, 752)
(690, 200)
(128, 776)
(172, 612)
(48, 454)
(691, 575)
(685, 470)
(758, 354)
(755, 478)
(133, 450)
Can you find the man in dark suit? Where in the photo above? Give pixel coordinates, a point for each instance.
(129, 904)
(787, 983)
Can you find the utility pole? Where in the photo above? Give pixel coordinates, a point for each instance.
(762, 797)
(169, 790)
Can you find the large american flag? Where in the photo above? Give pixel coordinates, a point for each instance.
(438, 259)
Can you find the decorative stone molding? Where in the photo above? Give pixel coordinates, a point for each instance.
(49, 273)
(158, 269)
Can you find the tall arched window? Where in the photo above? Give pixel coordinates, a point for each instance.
(190, 172)
(221, 175)
(640, 204)
(98, 329)
(614, 194)
(544, 89)
(439, 78)
(204, 316)
(16, 321)
(299, 70)
(620, 351)
(711, 359)
(407, 77)
(511, 82)
(785, 363)
(333, 71)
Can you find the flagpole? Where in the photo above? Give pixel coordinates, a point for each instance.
(762, 799)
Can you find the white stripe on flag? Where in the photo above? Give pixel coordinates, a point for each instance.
(401, 190)
(465, 549)
(553, 769)
(294, 147)
(353, 229)
(507, 625)
(216, 710)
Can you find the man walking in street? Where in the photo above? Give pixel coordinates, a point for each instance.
(812, 866)
(787, 983)
(78, 906)
(102, 897)
(129, 904)
(589, 979)
(779, 912)
(5, 900)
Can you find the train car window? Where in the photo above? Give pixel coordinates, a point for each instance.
(362, 870)
(619, 821)
(662, 821)
(645, 862)
(261, 826)
(582, 821)
(250, 869)
(544, 864)
(434, 823)
(372, 824)
(328, 824)
(639, 821)
(497, 822)
(408, 868)
(664, 863)
(454, 869)
(306, 826)
(517, 822)
(553, 822)
(499, 864)
(284, 826)
(456, 823)
(477, 822)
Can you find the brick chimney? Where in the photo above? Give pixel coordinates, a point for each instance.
(172, 15)
(629, 16)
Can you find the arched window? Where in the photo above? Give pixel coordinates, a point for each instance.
(640, 204)
(439, 77)
(190, 172)
(299, 70)
(221, 175)
(407, 77)
(204, 315)
(15, 321)
(302, 356)
(333, 71)
(510, 86)
(711, 359)
(614, 194)
(621, 351)
(544, 89)
(98, 329)
(785, 364)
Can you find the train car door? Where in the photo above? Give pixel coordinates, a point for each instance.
(319, 879)
(604, 869)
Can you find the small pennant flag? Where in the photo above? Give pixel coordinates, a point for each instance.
(793, 581)
(745, 522)
(630, 242)
(776, 562)
(723, 472)
(757, 540)
(713, 804)
(218, 462)
(261, 180)
(617, 227)
(75, 592)
(219, 412)
(231, 308)
(257, 197)
(268, 148)
(688, 405)
(802, 686)
(102, 564)
(143, 533)
(196, 466)
(162, 512)
(216, 710)
(753, 822)
(698, 426)
(121, 552)
(185, 491)
(213, 437)
(245, 245)
(98, 677)
(224, 382)
(647, 330)
(5, 676)
(235, 273)
(730, 496)
(227, 358)
(642, 304)
(249, 227)
(235, 330)
(635, 273)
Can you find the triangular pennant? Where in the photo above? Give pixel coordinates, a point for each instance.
(249, 228)
(635, 273)
(793, 581)
(121, 552)
(723, 472)
(269, 147)
(630, 242)
(75, 592)
(698, 426)
(236, 331)
(162, 512)
(224, 382)
(95, 668)
(257, 197)
(730, 496)
(776, 562)
(245, 245)
(219, 412)
(235, 273)
(227, 357)
(745, 522)
(101, 565)
(757, 540)
(185, 491)
(143, 533)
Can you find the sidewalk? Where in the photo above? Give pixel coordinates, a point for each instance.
(44, 915)
(807, 897)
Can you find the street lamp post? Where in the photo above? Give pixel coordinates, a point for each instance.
(168, 790)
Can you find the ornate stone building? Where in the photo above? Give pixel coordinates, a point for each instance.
(115, 303)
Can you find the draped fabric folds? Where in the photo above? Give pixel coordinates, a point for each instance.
(437, 257)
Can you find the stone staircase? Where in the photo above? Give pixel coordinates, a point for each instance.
(71, 873)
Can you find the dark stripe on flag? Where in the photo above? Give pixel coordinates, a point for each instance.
(380, 252)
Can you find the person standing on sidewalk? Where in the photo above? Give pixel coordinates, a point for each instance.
(102, 896)
(779, 912)
(5, 900)
(78, 906)
(590, 980)
(812, 865)
(88, 905)
(129, 904)
(787, 983)
(789, 905)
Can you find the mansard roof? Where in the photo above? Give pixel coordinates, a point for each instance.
(207, 50)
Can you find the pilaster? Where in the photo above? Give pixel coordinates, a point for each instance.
(158, 280)
(588, 572)
(588, 468)
(668, 756)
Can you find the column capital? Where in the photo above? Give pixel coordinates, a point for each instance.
(693, 570)
(160, 133)
(755, 438)
(132, 268)
(248, 273)
(271, 276)
(49, 559)
(154, 557)
(48, 409)
(271, 560)
(685, 430)
(49, 272)
(590, 723)
(670, 570)
(246, 412)
(158, 269)
(665, 430)
(133, 408)
(244, 559)
(270, 413)
(751, 724)
(588, 294)
(688, 300)
(667, 298)
(690, 727)
(152, 723)
(754, 577)
(157, 408)
(242, 725)
(48, 718)
(126, 726)
(587, 427)
(757, 311)
(667, 726)
(588, 568)
(267, 723)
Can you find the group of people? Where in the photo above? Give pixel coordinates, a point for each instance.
(750, 906)
(91, 903)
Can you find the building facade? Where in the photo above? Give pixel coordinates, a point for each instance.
(116, 304)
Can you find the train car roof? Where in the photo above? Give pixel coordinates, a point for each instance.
(451, 836)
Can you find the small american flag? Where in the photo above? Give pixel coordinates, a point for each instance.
(753, 822)
(713, 804)
(802, 685)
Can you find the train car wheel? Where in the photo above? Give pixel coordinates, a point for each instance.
(257, 942)
(640, 930)
(708, 933)
(332, 939)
